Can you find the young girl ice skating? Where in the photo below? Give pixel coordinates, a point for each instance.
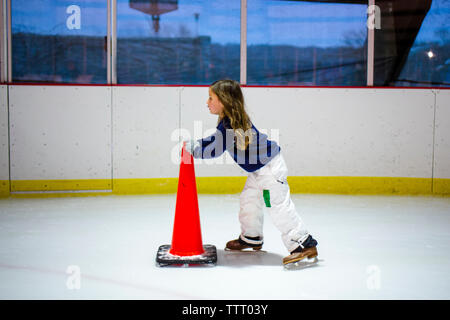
(267, 179)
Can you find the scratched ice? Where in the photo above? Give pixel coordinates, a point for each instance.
(371, 247)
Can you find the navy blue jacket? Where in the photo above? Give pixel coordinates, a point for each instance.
(257, 154)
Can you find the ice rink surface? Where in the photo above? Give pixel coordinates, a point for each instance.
(371, 247)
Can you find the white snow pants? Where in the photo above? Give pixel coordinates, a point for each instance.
(268, 186)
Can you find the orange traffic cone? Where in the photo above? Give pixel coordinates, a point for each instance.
(187, 247)
(187, 235)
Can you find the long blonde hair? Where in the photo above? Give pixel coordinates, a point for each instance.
(230, 95)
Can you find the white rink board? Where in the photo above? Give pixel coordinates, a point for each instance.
(349, 132)
(64, 132)
(60, 132)
(4, 157)
(442, 135)
(145, 119)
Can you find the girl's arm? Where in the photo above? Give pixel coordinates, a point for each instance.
(212, 146)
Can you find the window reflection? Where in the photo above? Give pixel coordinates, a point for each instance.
(177, 42)
(428, 62)
(309, 43)
(59, 41)
(306, 43)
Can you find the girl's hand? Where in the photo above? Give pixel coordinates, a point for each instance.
(191, 145)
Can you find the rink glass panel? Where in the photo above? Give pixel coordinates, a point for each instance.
(428, 62)
(306, 43)
(177, 41)
(59, 41)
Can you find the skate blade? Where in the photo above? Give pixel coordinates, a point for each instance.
(302, 264)
(246, 250)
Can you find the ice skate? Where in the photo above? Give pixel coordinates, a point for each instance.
(304, 256)
(241, 245)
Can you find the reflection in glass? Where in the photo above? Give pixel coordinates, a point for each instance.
(428, 62)
(177, 41)
(59, 41)
(306, 43)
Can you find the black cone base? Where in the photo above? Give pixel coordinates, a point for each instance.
(208, 258)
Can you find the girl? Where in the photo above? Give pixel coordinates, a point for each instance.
(267, 178)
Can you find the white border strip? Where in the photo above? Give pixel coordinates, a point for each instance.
(2, 40)
(243, 77)
(113, 44)
(370, 45)
(9, 43)
(108, 42)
